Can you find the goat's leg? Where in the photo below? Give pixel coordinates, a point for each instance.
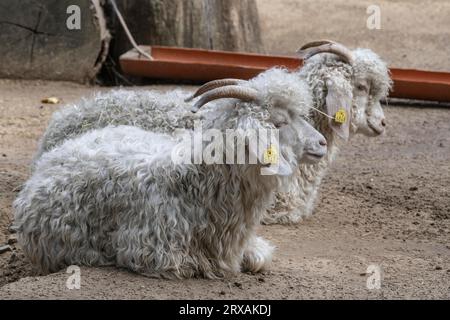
(257, 255)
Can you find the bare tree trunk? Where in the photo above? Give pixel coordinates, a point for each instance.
(36, 42)
(210, 24)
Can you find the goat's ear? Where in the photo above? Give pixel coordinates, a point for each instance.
(269, 154)
(281, 168)
(339, 106)
(262, 147)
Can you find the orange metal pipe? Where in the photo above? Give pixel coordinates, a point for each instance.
(205, 65)
(422, 85)
(200, 65)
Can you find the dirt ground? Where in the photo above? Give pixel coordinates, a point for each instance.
(386, 201)
(412, 34)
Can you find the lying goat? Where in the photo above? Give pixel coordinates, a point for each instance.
(114, 196)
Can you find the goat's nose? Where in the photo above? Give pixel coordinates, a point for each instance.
(323, 142)
(383, 122)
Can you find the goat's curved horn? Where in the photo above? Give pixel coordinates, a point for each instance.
(312, 48)
(233, 91)
(214, 84)
(315, 44)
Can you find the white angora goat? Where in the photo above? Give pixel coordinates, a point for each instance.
(338, 78)
(113, 196)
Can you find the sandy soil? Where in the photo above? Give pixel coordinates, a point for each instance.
(386, 201)
(412, 34)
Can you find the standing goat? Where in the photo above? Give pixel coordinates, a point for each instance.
(338, 78)
(113, 196)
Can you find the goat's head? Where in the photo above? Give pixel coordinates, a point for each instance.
(267, 108)
(358, 79)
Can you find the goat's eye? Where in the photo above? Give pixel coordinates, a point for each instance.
(361, 87)
(280, 124)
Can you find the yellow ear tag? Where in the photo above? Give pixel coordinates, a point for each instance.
(340, 116)
(271, 155)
